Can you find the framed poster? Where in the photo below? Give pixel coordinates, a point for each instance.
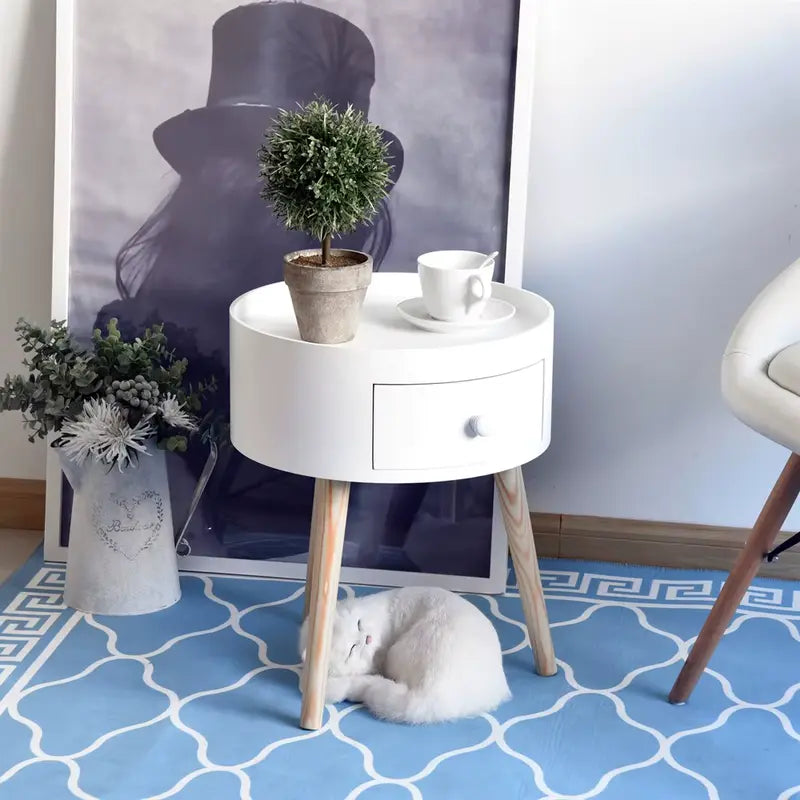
(161, 108)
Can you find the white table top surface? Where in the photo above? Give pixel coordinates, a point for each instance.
(268, 310)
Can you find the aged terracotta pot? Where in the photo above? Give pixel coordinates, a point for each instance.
(327, 300)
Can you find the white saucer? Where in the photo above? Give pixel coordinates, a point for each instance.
(496, 311)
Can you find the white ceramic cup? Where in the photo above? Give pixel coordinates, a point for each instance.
(453, 286)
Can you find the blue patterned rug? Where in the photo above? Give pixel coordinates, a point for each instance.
(200, 702)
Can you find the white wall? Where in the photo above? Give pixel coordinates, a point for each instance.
(27, 46)
(665, 192)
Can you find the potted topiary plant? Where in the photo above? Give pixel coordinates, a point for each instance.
(111, 410)
(325, 171)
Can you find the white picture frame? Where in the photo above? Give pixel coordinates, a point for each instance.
(523, 95)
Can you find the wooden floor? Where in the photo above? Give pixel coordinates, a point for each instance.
(15, 549)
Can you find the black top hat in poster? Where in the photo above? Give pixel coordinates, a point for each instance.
(170, 104)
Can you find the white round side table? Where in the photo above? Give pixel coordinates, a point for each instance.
(395, 405)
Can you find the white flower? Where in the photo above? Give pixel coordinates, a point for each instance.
(175, 414)
(102, 431)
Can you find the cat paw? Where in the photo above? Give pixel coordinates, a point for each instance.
(336, 691)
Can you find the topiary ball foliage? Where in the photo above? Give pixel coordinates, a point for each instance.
(324, 171)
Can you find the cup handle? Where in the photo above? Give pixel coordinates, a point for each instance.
(477, 288)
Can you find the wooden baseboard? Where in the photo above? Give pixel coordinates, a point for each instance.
(663, 544)
(21, 504)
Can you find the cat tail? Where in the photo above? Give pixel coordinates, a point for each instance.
(394, 701)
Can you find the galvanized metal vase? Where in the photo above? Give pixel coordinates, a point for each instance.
(121, 556)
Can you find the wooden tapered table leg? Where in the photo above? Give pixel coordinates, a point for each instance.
(325, 561)
(317, 507)
(769, 522)
(517, 519)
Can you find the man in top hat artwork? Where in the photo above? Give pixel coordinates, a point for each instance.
(213, 238)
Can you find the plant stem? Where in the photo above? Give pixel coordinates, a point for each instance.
(326, 249)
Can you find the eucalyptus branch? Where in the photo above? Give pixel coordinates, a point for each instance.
(104, 401)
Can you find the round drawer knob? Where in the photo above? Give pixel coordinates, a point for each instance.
(482, 426)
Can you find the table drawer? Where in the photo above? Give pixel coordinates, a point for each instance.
(445, 425)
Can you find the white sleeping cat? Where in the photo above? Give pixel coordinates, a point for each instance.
(415, 655)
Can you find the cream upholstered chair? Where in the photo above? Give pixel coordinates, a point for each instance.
(761, 384)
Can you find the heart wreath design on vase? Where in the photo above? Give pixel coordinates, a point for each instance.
(134, 528)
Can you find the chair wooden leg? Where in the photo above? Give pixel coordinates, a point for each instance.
(766, 529)
(327, 539)
(517, 519)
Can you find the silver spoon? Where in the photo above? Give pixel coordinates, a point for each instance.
(489, 258)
